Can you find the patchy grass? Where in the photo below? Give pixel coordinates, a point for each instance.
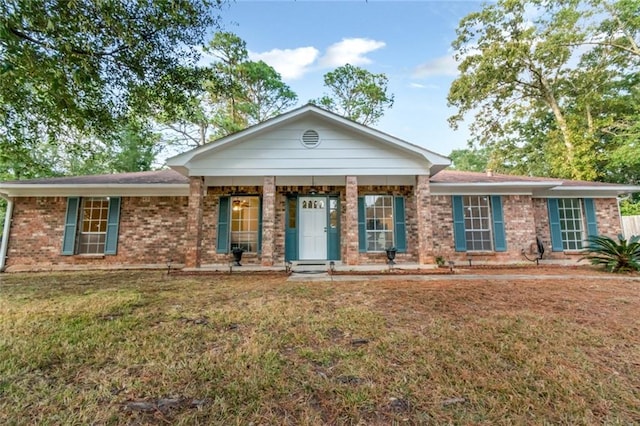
(144, 348)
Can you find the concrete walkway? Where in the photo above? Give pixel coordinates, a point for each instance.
(320, 277)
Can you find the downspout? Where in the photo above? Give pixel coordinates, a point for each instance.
(5, 233)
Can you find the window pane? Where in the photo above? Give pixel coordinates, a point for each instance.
(245, 214)
(477, 223)
(571, 223)
(94, 225)
(379, 222)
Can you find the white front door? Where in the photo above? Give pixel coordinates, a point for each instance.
(313, 228)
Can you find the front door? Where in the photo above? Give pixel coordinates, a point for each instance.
(313, 228)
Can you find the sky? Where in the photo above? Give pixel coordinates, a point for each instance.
(408, 41)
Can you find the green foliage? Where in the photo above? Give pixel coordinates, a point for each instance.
(621, 256)
(630, 208)
(356, 93)
(74, 71)
(472, 160)
(554, 86)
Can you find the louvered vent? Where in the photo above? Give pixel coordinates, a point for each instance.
(310, 139)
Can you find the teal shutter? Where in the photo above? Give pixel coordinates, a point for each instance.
(113, 220)
(222, 245)
(590, 213)
(499, 237)
(260, 226)
(70, 226)
(291, 232)
(459, 236)
(362, 231)
(400, 227)
(554, 224)
(333, 233)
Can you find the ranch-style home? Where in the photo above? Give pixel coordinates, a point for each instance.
(306, 186)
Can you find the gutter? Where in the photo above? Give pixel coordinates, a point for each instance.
(5, 233)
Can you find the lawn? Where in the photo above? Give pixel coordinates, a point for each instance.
(145, 348)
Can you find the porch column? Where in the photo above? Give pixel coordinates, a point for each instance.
(351, 221)
(268, 220)
(422, 195)
(193, 235)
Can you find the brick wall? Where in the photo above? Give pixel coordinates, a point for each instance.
(151, 232)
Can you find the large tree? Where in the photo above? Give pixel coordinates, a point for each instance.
(549, 82)
(356, 93)
(85, 66)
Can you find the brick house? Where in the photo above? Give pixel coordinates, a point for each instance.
(307, 185)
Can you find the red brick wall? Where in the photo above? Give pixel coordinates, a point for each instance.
(151, 232)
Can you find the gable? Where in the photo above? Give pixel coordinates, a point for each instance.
(275, 148)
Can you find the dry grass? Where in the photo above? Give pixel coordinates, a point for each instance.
(80, 348)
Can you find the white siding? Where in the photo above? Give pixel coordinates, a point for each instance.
(279, 152)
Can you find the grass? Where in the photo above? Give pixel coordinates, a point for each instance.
(144, 348)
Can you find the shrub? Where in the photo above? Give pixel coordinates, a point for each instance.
(620, 256)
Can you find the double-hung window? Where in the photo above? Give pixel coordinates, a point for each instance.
(381, 223)
(239, 223)
(91, 225)
(571, 220)
(478, 223)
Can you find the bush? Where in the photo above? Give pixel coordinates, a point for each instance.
(621, 256)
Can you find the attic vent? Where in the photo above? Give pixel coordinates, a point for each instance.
(310, 139)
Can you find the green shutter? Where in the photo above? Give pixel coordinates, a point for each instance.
(223, 226)
(362, 231)
(499, 237)
(70, 226)
(590, 213)
(459, 236)
(113, 220)
(260, 225)
(554, 224)
(400, 227)
(291, 233)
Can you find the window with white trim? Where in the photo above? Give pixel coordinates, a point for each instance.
(477, 222)
(379, 222)
(93, 225)
(571, 223)
(245, 216)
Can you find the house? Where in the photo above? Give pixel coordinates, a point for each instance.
(307, 185)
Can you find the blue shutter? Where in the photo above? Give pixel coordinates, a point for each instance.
(499, 237)
(362, 231)
(222, 245)
(459, 236)
(70, 226)
(113, 220)
(400, 227)
(590, 213)
(291, 233)
(260, 225)
(554, 224)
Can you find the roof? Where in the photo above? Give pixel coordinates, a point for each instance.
(153, 177)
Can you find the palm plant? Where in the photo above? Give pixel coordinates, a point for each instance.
(616, 256)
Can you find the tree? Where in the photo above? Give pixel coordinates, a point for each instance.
(472, 160)
(356, 93)
(83, 67)
(553, 84)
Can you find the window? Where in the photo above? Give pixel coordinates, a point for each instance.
(91, 225)
(570, 213)
(571, 220)
(93, 229)
(245, 216)
(379, 222)
(477, 222)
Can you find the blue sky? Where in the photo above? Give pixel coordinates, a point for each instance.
(408, 41)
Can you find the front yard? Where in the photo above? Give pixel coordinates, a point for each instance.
(141, 347)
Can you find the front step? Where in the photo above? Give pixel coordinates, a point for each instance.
(309, 267)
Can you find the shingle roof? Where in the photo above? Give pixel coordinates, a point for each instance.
(457, 176)
(136, 178)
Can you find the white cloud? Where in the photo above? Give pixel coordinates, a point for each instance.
(443, 66)
(350, 51)
(423, 86)
(290, 63)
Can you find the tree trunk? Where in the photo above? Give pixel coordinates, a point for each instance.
(561, 121)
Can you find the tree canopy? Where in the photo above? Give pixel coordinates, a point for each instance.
(553, 86)
(356, 93)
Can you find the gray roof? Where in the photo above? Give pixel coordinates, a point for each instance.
(136, 178)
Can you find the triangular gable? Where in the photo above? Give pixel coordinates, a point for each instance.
(276, 148)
